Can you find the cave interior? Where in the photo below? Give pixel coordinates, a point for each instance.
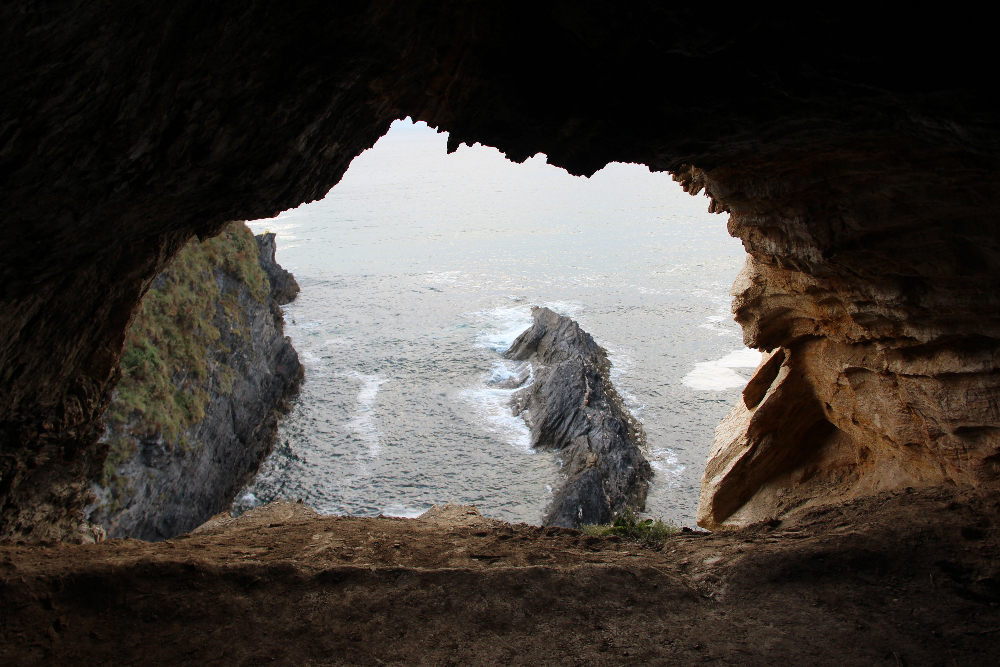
(855, 154)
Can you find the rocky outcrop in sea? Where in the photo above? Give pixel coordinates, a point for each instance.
(207, 372)
(571, 407)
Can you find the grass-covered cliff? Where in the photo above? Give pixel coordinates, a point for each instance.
(205, 373)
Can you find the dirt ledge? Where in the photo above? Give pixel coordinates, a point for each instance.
(896, 579)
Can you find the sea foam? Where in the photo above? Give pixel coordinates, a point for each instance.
(363, 425)
(719, 375)
(403, 511)
(501, 326)
(491, 405)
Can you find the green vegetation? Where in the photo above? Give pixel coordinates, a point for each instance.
(165, 362)
(629, 526)
(122, 449)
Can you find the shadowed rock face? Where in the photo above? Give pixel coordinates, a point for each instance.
(857, 157)
(572, 407)
(283, 284)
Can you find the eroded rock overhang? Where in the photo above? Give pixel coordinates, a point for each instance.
(873, 286)
(857, 157)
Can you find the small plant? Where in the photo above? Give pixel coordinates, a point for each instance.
(628, 525)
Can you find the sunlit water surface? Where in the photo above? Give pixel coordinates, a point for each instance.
(420, 268)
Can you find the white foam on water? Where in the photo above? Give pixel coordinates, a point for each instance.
(719, 375)
(504, 371)
(402, 511)
(621, 361)
(363, 425)
(492, 406)
(316, 361)
(665, 460)
(502, 327)
(709, 376)
(745, 358)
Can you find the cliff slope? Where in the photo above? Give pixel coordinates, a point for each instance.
(572, 407)
(206, 374)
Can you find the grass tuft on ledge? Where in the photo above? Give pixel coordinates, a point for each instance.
(630, 527)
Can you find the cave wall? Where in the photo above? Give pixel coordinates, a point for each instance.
(872, 276)
(857, 156)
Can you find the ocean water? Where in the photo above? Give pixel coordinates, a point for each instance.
(420, 268)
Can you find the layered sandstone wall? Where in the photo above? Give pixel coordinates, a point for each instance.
(880, 310)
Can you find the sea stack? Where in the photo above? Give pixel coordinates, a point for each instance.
(572, 407)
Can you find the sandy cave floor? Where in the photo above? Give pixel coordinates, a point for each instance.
(909, 578)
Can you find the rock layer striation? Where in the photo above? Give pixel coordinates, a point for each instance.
(879, 314)
(571, 407)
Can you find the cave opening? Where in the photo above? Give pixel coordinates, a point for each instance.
(863, 189)
(421, 267)
(857, 156)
